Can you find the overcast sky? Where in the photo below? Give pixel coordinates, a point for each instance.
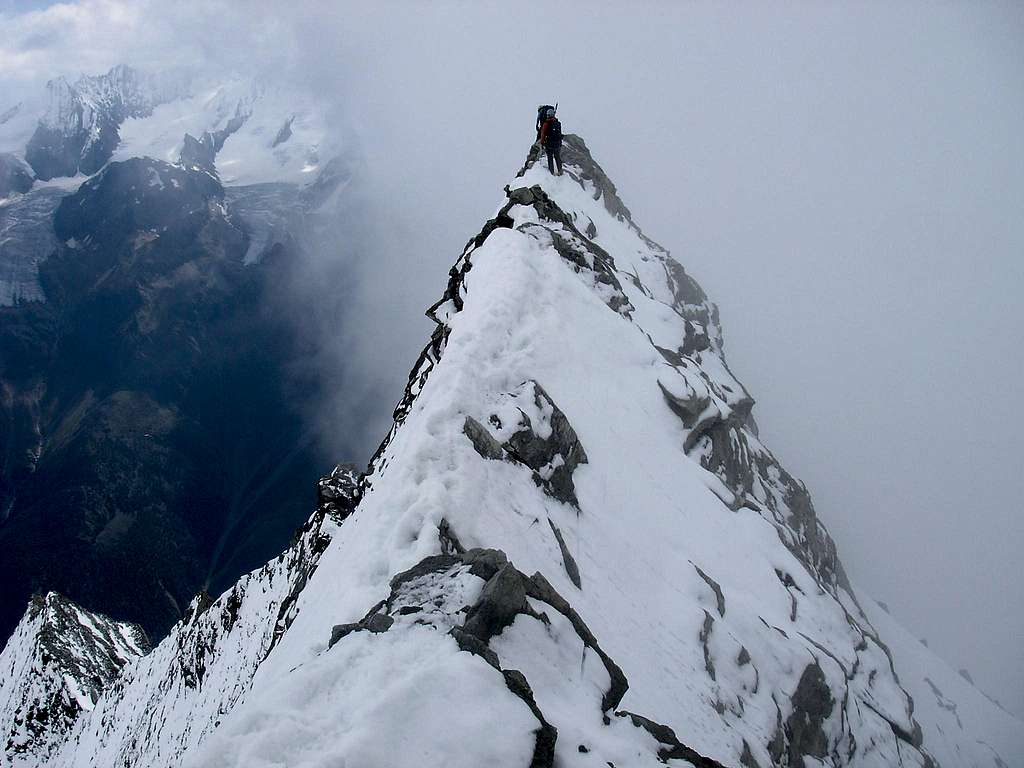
(847, 182)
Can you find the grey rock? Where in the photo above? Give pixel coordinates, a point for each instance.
(502, 599)
(719, 597)
(570, 243)
(812, 704)
(546, 734)
(672, 748)
(484, 563)
(553, 459)
(576, 153)
(284, 132)
(704, 635)
(374, 621)
(15, 175)
(340, 631)
(539, 453)
(540, 588)
(476, 646)
(687, 408)
(482, 440)
(568, 561)
(432, 564)
(198, 153)
(747, 757)
(339, 493)
(378, 622)
(946, 704)
(450, 544)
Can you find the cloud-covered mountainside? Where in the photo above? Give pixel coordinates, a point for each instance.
(571, 549)
(150, 362)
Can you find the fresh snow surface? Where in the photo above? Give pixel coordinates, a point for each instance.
(249, 155)
(649, 514)
(962, 726)
(717, 593)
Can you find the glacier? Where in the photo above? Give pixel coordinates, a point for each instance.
(272, 147)
(572, 548)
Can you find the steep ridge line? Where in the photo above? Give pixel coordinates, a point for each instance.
(683, 585)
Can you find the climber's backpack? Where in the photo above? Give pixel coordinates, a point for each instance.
(554, 135)
(542, 114)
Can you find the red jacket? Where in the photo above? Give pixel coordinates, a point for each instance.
(544, 131)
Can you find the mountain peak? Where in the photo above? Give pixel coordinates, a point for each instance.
(54, 668)
(572, 548)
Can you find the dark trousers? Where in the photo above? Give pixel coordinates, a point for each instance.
(554, 156)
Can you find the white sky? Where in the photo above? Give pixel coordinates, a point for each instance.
(846, 181)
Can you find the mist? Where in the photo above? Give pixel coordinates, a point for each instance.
(847, 183)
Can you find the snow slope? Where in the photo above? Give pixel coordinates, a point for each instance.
(703, 570)
(573, 548)
(960, 723)
(283, 137)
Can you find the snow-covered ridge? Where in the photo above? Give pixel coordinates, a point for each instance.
(571, 549)
(695, 558)
(53, 669)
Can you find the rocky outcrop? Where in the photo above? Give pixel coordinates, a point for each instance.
(15, 176)
(178, 693)
(53, 668)
(812, 703)
(527, 427)
(338, 494)
(202, 152)
(133, 474)
(487, 606)
(79, 132)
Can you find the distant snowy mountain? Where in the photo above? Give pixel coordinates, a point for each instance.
(152, 231)
(247, 132)
(573, 548)
(276, 136)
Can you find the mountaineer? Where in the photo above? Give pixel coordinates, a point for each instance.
(542, 115)
(551, 139)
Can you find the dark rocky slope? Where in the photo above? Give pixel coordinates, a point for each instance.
(147, 450)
